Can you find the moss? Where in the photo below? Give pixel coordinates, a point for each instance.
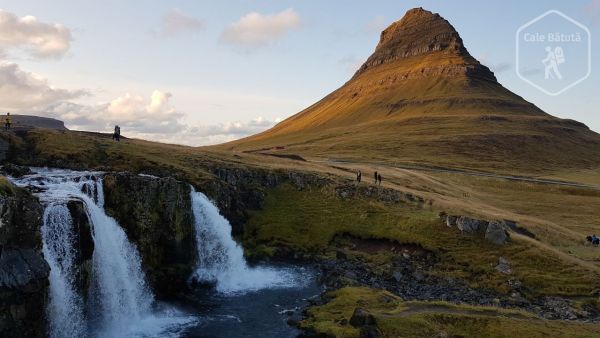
(6, 188)
(396, 318)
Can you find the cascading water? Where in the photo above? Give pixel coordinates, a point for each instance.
(221, 259)
(65, 309)
(119, 300)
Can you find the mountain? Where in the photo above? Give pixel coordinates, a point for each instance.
(421, 98)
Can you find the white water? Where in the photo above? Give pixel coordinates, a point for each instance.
(65, 308)
(119, 301)
(221, 259)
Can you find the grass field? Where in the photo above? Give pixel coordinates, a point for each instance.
(396, 318)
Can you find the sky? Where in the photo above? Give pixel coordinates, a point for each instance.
(206, 72)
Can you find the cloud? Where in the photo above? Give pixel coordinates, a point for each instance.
(176, 22)
(21, 90)
(255, 29)
(134, 113)
(152, 118)
(28, 35)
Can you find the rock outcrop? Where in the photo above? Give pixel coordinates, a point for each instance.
(493, 231)
(156, 214)
(23, 270)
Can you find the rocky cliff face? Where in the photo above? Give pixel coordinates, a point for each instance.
(422, 32)
(23, 270)
(157, 216)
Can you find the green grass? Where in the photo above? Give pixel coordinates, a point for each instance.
(396, 318)
(6, 188)
(307, 221)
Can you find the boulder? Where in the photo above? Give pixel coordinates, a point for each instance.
(496, 233)
(361, 318)
(470, 225)
(503, 266)
(451, 220)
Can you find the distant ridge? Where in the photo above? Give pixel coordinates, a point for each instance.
(32, 121)
(422, 98)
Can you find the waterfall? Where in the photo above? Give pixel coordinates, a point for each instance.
(120, 302)
(120, 293)
(65, 308)
(221, 259)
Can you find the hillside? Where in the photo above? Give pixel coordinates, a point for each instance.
(421, 98)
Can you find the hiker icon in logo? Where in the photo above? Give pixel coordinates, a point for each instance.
(553, 59)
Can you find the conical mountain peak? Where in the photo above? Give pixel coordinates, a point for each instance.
(419, 32)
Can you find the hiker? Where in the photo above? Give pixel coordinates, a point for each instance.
(375, 175)
(117, 134)
(593, 239)
(358, 177)
(379, 178)
(7, 121)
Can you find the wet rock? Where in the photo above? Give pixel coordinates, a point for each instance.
(496, 233)
(397, 276)
(14, 170)
(23, 270)
(156, 213)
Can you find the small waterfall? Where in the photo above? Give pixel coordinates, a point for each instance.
(65, 309)
(119, 294)
(119, 301)
(221, 259)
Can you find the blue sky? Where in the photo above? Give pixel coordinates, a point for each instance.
(192, 72)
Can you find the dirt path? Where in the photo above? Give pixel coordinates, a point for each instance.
(468, 173)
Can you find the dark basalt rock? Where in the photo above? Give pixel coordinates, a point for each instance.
(23, 270)
(156, 214)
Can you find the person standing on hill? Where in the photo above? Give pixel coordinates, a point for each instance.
(358, 177)
(379, 178)
(117, 134)
(375, 175)
(7, 121)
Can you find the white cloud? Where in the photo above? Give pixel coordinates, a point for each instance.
(175, 22)
(21, 90)
(255, 29)
(152, 119)
(132, 112)
(27, 34)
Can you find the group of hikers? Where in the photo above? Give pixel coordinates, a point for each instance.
(376, 177)
(593, 239)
